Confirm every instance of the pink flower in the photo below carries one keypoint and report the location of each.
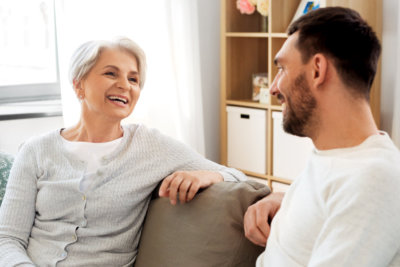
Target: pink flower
(245, 7)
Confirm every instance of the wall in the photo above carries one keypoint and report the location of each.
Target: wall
(389, 66)
(209, 34)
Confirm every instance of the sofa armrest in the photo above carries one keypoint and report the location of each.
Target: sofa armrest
(208, 231)
(6, 161)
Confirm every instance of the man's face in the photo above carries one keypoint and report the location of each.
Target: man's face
(292, 89)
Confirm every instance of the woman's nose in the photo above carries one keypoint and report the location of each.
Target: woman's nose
(123, 84)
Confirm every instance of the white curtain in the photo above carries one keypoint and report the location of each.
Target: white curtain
(396, 104)
(167, 30)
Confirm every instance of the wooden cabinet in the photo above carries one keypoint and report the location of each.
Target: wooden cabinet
(246, 50)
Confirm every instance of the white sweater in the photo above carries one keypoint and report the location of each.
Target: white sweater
(46, 220)
(343, 210)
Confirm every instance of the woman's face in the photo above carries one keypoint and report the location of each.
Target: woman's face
(111, 88)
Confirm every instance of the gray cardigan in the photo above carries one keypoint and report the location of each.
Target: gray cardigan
(45, 220)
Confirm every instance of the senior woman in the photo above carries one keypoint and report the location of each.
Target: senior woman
(78, 196)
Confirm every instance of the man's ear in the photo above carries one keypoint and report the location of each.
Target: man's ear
(319, 69)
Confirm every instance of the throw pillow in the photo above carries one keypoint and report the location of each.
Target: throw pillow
(5, 166)
(208, 231)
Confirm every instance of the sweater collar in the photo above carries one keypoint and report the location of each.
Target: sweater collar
(127, 136)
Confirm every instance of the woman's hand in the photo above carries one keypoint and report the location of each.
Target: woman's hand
(186, 184)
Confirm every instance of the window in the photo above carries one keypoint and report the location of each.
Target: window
(28, 51)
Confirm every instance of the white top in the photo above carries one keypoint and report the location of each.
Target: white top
(343, 210)
(92, 153)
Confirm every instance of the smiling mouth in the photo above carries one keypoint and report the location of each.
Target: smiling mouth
(281, 99)
(118, 99)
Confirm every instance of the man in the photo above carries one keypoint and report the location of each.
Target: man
(344, 209)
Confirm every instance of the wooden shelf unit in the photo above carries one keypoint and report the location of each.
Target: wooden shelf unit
(245, 50)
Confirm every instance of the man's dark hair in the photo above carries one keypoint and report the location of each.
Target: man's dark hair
(342, 35)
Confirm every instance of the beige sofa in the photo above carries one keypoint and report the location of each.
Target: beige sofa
(206, 232)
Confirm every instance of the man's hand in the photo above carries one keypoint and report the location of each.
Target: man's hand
(187, 183)
(258, 217)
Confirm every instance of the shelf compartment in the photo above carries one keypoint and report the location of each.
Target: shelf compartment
(254, 174)
(247, 103)
(244, 57)
(247, 34)
(237, 22)
(282, 13)
(280, 180)
(252, 104)
(276, 108)
(279, 35)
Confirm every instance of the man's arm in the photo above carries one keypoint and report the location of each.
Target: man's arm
(258, 217)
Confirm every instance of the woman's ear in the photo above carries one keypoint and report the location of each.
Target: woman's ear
(320, 69)
(79, 91)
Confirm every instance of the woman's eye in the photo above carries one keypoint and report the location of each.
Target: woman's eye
(110, 73)
(133, 80)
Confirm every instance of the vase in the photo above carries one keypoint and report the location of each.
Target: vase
(263, 24)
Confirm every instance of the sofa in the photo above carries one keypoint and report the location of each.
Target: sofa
(206, 232)
(6, 161)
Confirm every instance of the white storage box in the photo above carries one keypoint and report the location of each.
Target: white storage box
(290, 153)
(247, 139)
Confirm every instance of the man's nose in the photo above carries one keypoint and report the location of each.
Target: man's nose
(273, 90)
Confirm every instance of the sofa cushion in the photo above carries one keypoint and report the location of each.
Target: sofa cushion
(208, 231)
(5, 166)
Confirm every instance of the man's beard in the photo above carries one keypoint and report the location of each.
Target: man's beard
(300, 107)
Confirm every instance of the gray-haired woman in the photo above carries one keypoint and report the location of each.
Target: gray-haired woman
(78, 196)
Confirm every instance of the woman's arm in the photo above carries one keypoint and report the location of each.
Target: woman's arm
(17, 211)
(187, 183)
(191, 171)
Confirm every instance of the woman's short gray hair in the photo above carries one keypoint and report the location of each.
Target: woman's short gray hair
(86, 56)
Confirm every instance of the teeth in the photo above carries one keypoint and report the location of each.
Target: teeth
(116, 98)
